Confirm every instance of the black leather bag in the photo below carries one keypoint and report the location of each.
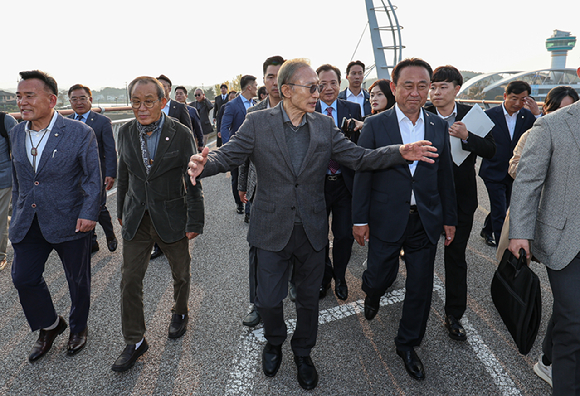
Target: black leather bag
(515, 290)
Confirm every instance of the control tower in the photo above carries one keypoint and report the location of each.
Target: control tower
(559, 45)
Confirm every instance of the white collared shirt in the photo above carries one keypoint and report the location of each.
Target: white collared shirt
(360, 99)
(510, 120)
(451, 116)
(166, 108)
(411, 133)
(36, 137)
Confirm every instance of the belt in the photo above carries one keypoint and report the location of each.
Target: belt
(336, 177)
(413, 209)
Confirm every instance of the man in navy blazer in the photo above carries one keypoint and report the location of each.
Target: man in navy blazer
(355, 71)
(337, 185)
(234, 116)
(81, 100)
(56, 197)
(511, 120)
(405, 206)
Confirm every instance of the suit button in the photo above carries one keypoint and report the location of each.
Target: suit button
(33, 205)
(142, 203)
(36, 183)
(293, 207)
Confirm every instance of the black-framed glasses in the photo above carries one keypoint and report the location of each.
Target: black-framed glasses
(313, 88)
(196, 95)
(148, 103)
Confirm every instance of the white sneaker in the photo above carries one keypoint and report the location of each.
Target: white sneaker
(543, 371)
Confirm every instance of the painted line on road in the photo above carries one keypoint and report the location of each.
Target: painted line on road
(502, 380)
(247, 359)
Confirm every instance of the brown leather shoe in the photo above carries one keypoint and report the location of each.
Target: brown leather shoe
(45, 340)
(77, 341)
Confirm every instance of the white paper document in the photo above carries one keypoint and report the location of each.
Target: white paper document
(478, 123)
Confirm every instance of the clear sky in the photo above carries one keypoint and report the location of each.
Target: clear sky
(108, 43)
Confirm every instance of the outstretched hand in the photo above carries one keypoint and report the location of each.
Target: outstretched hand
(196, 164)
(423, 150)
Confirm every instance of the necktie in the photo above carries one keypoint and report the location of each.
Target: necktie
(333, 166)
(79, 117)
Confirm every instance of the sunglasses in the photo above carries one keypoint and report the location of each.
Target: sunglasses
(313, 88)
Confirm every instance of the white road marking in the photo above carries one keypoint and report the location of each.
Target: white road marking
(247, 359)
(502, 380)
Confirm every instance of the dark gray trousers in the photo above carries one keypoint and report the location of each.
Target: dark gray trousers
(274, 268)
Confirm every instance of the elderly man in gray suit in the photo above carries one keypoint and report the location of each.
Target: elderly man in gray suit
(247, 177)
(291, 145)
(56, 196)
(544, 209)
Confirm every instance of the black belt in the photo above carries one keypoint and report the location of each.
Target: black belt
(336, 177)
(413, 209)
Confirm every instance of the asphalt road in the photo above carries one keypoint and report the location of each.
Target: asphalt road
(219, 356)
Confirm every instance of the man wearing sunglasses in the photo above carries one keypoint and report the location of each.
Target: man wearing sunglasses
(156, 203)
(290, 146)
(203, 107)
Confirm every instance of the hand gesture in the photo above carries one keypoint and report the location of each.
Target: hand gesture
(422, 150)
(196, 164)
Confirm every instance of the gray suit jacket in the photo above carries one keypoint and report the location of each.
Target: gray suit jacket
(247, 179)
(544, 204)
(66, 186)
(175, 206)
(280, 191)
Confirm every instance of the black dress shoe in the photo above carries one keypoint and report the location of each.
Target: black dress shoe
(307, 375)
(178, 325)
(129, 356)
(291, 291)
(488, 238)
(341, 289)
(240, 209)
(156, 252)
(112, 243)
(253, 318)
(456, 331)
(323, 291)
(271, 359)
(45, 340)
(246, 218)
(95, 247)
(413, 364)
(371, 308)
(77, 341)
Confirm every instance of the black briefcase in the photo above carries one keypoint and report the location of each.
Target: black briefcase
(515, 290)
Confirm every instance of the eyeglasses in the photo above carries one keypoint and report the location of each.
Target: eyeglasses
(313, 88)
(81, 99)
(148, 103)
(197, 95)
